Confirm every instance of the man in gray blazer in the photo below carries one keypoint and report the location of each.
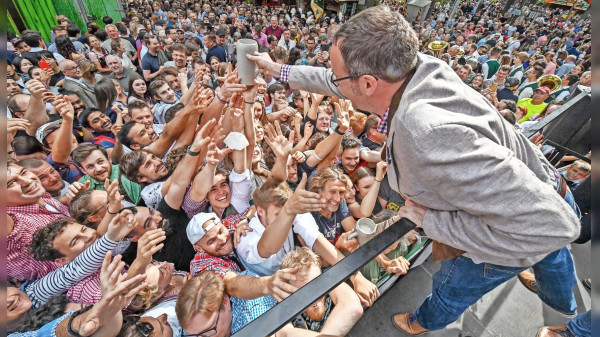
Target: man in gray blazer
(476, 186)
(74, 83)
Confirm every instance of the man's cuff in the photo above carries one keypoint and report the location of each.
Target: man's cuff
(284, 73)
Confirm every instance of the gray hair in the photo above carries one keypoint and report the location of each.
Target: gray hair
(378, 42)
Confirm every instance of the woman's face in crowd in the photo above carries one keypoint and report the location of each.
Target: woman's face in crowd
(25, 64)
(477, 81)
(256, 155)
(323, 122)
(351, 196)
(259, 132)
(214, 64)
(139, 87)
(118, 87)
(160, 325)
(219, 195)
(94, 42)
(364, 185)
(36, 74)
(258, 110)
(17, 305)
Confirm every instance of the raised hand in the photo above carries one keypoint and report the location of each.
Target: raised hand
(278, 283)
(380, 171)
(113, 195)
(64, 107)
(148, 244)
(303, 201)
(117, 291)
(36, 88)
(345, 244)
(413, 211)
(263, 62)
(237, 120)
(13, 125)
(241, 230)
(48, 97)
(215, 155)
(344, 118)
(274, 137)
(120, 225)
(75, 189)
(308, 130)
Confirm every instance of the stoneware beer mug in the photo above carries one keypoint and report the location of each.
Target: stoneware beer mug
(247, 70)
(364, 230)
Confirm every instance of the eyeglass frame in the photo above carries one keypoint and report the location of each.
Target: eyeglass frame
(76, 67)
(147, 329)
(337, 80)
(98, 210)
(202, 333)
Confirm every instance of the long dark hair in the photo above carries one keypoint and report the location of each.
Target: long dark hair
(147, 97)
(106, 93)
(51, 310)
(64, 46)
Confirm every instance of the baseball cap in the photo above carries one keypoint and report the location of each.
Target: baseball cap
(188, 35)
(46, 129)
(544, 89)
(220, 32)
(194, 229)
(511, 82)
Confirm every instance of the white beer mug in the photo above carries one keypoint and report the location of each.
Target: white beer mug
(365, 230)
(247, 70)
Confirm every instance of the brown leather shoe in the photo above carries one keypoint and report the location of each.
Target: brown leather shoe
(554, 331)
(528, 279)
(408, 323)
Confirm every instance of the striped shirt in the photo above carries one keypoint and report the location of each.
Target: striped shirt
(62, 279)
(28, 219)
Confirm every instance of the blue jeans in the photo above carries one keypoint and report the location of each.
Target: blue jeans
(460, 283)
(581, 325)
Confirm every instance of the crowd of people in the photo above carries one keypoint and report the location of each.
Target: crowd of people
(150, 193)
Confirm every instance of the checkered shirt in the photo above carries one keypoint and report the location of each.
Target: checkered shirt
(284, 73)
(245, 311)
(219, 264)
(28, 219)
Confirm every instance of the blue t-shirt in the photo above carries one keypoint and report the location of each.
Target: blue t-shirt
(150, 62)
(217, 51)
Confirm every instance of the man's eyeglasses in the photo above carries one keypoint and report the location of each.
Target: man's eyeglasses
(206, 333)
(144, 328)
(69, 69)
(335, 80)
(98, 210)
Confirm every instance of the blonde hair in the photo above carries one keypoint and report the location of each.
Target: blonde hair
(202, 293)
(318, 182)
(272, 192)
(303, 258)
(582, 165)
(144, 299)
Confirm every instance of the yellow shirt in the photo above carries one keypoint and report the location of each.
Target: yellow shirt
(532, 109)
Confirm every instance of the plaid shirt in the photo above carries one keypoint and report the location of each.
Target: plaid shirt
(284, 73)
(383, 125)
(28, 219)
(245, 311)
(88, 290)
(219, 264)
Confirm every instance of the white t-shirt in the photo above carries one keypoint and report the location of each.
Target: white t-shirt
(303, 225)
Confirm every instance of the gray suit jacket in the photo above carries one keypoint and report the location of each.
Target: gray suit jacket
(85, 93)
(489, 191)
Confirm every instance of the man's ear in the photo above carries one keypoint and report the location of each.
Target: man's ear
(368, 84)
(61, 260)
(135, 238)
(134, 146)
(93, 219)
(143, 180)
(199, 249)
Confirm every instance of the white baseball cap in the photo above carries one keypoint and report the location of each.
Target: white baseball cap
(194, 229)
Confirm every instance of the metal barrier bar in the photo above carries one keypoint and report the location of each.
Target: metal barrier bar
(286, 310)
